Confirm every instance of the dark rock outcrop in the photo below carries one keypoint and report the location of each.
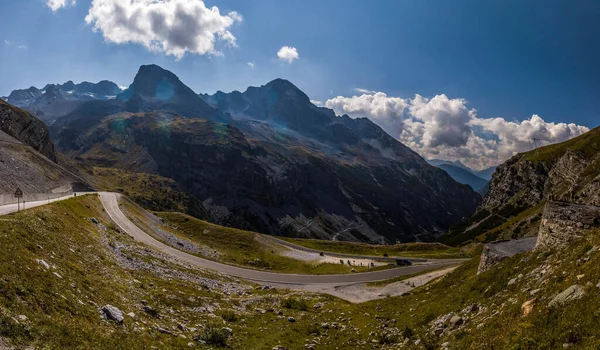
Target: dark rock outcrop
(26, 128)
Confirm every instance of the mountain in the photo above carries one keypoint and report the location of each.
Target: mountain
(157, 89)
(487, 173)
(456, 163)
(519, 188)
(27, 155)
(464, 177)
(268, 160)
(56, 100)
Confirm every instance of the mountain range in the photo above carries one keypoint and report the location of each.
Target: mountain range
(266, 159)
(477, 179)
(55, 100)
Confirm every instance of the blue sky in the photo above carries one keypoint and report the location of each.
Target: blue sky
(506, 59)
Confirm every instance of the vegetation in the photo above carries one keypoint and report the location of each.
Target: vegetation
(484, 227)
(294, 303)
(413, 250)
(91, 265)
(150, 191)
(229, 245)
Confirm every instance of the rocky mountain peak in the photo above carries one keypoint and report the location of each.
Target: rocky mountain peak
(155, 88)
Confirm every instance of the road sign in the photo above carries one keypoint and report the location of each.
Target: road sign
(18, 193)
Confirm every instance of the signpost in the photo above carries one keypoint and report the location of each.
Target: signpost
(18, 196)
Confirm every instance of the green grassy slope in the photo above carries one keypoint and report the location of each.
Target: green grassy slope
(414, 250)
(229, 245)
(90, 265)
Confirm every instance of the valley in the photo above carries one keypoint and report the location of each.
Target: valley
(196, 220)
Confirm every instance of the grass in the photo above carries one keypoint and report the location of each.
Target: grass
(148, 190)
(397, 279)
(232, 246)
(497, 227)
(62, 312)
(413, 250)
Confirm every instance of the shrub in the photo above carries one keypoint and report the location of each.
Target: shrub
(294, 303)
(229, 316)
(407, 332)
(215, 336)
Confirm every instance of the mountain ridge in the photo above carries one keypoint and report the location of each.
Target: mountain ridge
(271, 160)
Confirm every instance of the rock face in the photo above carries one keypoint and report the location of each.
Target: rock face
(564, 172)
(493, 253)
(26, 128)
(269, 160)
(563, 223)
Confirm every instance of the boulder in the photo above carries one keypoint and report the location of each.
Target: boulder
(574, 292)
(456, 321)
(112, 313)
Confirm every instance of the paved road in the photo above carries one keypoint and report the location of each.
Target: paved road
(513, 247)
(12, 208)
(110, 201)
(391, 259)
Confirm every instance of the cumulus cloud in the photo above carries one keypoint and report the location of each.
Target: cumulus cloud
(56, 5)
(175, 27)
(445, 120)
(445, 128)
(288, 54)
(251, 65)
(383, 110)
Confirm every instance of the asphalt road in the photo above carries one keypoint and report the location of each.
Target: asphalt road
(390, 259)
(111, 204)
(12, 208)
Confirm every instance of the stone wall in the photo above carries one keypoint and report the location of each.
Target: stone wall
(563, 223)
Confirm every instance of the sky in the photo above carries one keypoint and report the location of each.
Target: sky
(464, 80)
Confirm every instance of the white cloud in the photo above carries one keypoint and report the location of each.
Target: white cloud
(445, 128)
(288, 53)
(22, 47)
(364, 91)
(175, 27)
(445, 120)
(317, 103)
(56, 5)
(383, 110)
(251, 65)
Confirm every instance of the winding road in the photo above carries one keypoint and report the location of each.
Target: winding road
(110, 201)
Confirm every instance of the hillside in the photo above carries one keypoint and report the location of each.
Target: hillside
(537, 300)
(270, 161)
(568, 171)
(27, 155)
